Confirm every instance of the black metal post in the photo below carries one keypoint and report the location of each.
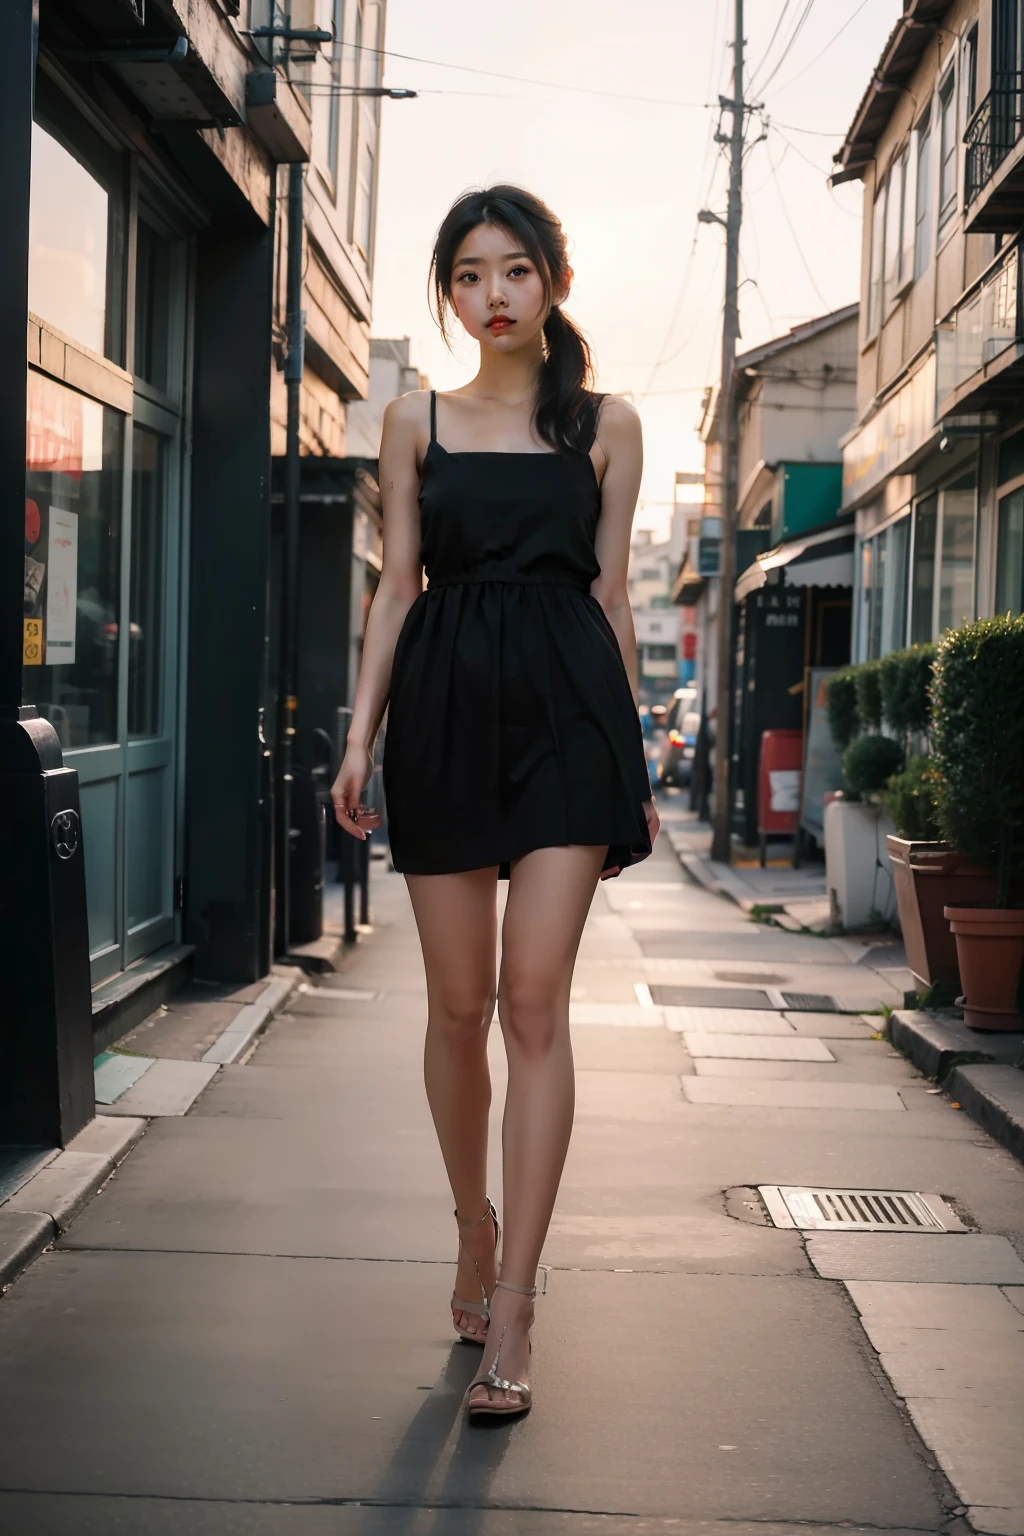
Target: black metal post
(287, 693)
(46, 1087)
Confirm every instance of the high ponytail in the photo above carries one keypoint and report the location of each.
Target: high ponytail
(564, 410)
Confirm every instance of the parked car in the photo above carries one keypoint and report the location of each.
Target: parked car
(682, 722)
(650, 725)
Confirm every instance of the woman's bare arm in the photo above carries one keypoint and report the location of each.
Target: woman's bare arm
(400, 584)
(620, 437)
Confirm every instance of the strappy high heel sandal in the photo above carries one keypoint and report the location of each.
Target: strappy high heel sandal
(522, 1398)
(479, 1308)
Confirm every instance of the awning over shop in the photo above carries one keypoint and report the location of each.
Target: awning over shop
(823, 559)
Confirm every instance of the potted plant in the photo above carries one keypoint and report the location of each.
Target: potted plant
(978, 752)
(928, 875)
(857, 873)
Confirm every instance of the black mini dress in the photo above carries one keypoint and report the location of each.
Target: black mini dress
(511, 724)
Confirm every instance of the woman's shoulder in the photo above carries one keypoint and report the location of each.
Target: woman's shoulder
(411, 409)
(616, 419)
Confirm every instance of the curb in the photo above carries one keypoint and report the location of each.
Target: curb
(977, 1069)
(250, 1022)
(47, 1204)
(994, 1097)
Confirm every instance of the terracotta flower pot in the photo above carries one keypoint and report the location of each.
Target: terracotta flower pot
(928, 878)
(990, 947)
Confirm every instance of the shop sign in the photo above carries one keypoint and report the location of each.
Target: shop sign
(897, 430)
(32, 643)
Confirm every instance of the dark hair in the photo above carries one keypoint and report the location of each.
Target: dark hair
(563, 414)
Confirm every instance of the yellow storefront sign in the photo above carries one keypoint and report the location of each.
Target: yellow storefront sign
(32, 645)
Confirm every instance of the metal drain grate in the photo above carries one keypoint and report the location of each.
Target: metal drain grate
(858, 1210)
(708, 997)
(809, 1002)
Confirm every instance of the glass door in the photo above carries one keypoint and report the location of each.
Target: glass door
(151, 677)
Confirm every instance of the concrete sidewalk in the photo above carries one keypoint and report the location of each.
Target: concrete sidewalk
(247, 1330)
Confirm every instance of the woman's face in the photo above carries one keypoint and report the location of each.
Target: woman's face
(497, 290)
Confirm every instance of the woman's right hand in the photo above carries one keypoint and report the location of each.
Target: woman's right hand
(353, 776)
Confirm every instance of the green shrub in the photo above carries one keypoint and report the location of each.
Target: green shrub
(869, 763)
(909, 797)
(841, 706)
(978, 744)
(867, 680)
(904, 679)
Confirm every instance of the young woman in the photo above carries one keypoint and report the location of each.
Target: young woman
(513, 747)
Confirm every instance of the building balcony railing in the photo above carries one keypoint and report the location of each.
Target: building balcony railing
(985, 325)
(993, 133)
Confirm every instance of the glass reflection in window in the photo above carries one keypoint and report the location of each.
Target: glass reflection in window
(956, 563)
(70, 260)
(1010, 556)
(72, 561)
(923, 591)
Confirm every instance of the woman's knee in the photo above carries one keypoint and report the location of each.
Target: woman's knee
(531, 1009)
(463, 1019)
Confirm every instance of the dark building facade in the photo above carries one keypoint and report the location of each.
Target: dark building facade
(140, 142)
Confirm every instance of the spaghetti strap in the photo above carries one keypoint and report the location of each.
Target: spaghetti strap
(433, 415)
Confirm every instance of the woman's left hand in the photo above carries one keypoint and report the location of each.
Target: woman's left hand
(653, 819)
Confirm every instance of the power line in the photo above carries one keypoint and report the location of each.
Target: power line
(798, 28)
(800, 74)
(789, 222)
(497, 74)
(771, 42)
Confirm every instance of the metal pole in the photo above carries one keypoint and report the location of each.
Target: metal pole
(288, 689)
(721, 841)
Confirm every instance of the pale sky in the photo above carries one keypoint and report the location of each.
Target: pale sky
(627, 176)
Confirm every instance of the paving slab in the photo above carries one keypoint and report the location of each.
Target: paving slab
(953, 1258)
(727, 1021)
(1015, 1296)
(778, 948)
(168, 1088)
(834, 1026)
(298, 1360)
(756, 1047)
(978, 1366)
(997, 1522)
(979, 1450)
(781, 1095)
(972, 1308)
(114, 1074)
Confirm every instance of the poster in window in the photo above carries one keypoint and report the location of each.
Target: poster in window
(61, 587)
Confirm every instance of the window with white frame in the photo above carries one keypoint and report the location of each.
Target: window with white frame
(883, 591)
(875, 272)
(923, 221)
(948, 148)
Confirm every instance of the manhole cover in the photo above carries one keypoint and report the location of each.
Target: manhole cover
(810, 1002)
(709, 997)
(858, 1210)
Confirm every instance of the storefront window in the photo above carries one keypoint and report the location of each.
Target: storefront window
(72, 562)
(925, 527)
(884, 590)
(75, 248)
(956, 561)
(1010, 554)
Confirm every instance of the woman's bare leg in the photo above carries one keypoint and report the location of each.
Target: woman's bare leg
(550, 893)
(456, 916)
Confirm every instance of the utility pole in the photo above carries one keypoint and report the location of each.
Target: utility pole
(721, 841)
